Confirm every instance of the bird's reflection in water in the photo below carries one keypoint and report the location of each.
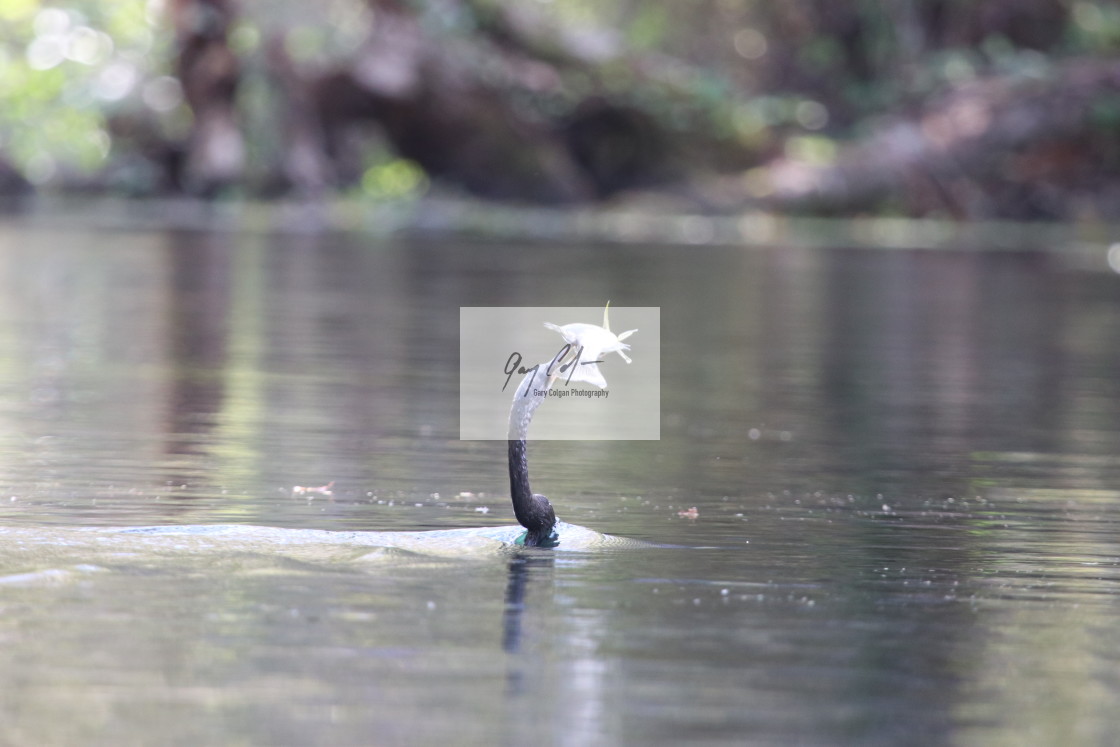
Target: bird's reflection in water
(555, 677)
(523, 566)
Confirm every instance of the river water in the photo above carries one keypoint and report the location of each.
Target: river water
(903, 468)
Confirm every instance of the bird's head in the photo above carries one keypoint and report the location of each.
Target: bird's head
(543, 521)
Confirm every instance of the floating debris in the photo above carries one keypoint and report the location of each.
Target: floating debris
(690, 513)
(321, 490)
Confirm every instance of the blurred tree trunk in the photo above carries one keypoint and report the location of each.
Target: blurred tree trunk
(209, 72)
(304, 165)
(13, 185)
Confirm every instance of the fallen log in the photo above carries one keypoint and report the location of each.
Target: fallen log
(1044, 146)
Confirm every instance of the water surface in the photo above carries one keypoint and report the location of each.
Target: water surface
(903, 468)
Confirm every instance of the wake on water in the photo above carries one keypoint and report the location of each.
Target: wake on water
(53, 555)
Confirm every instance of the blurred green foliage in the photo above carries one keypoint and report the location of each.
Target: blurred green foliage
(64, 68)
(393, 178)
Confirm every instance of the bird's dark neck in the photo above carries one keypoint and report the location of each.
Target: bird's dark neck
(519, 488)
(533, 511)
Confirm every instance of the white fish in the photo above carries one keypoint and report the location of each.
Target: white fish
(596, 341)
